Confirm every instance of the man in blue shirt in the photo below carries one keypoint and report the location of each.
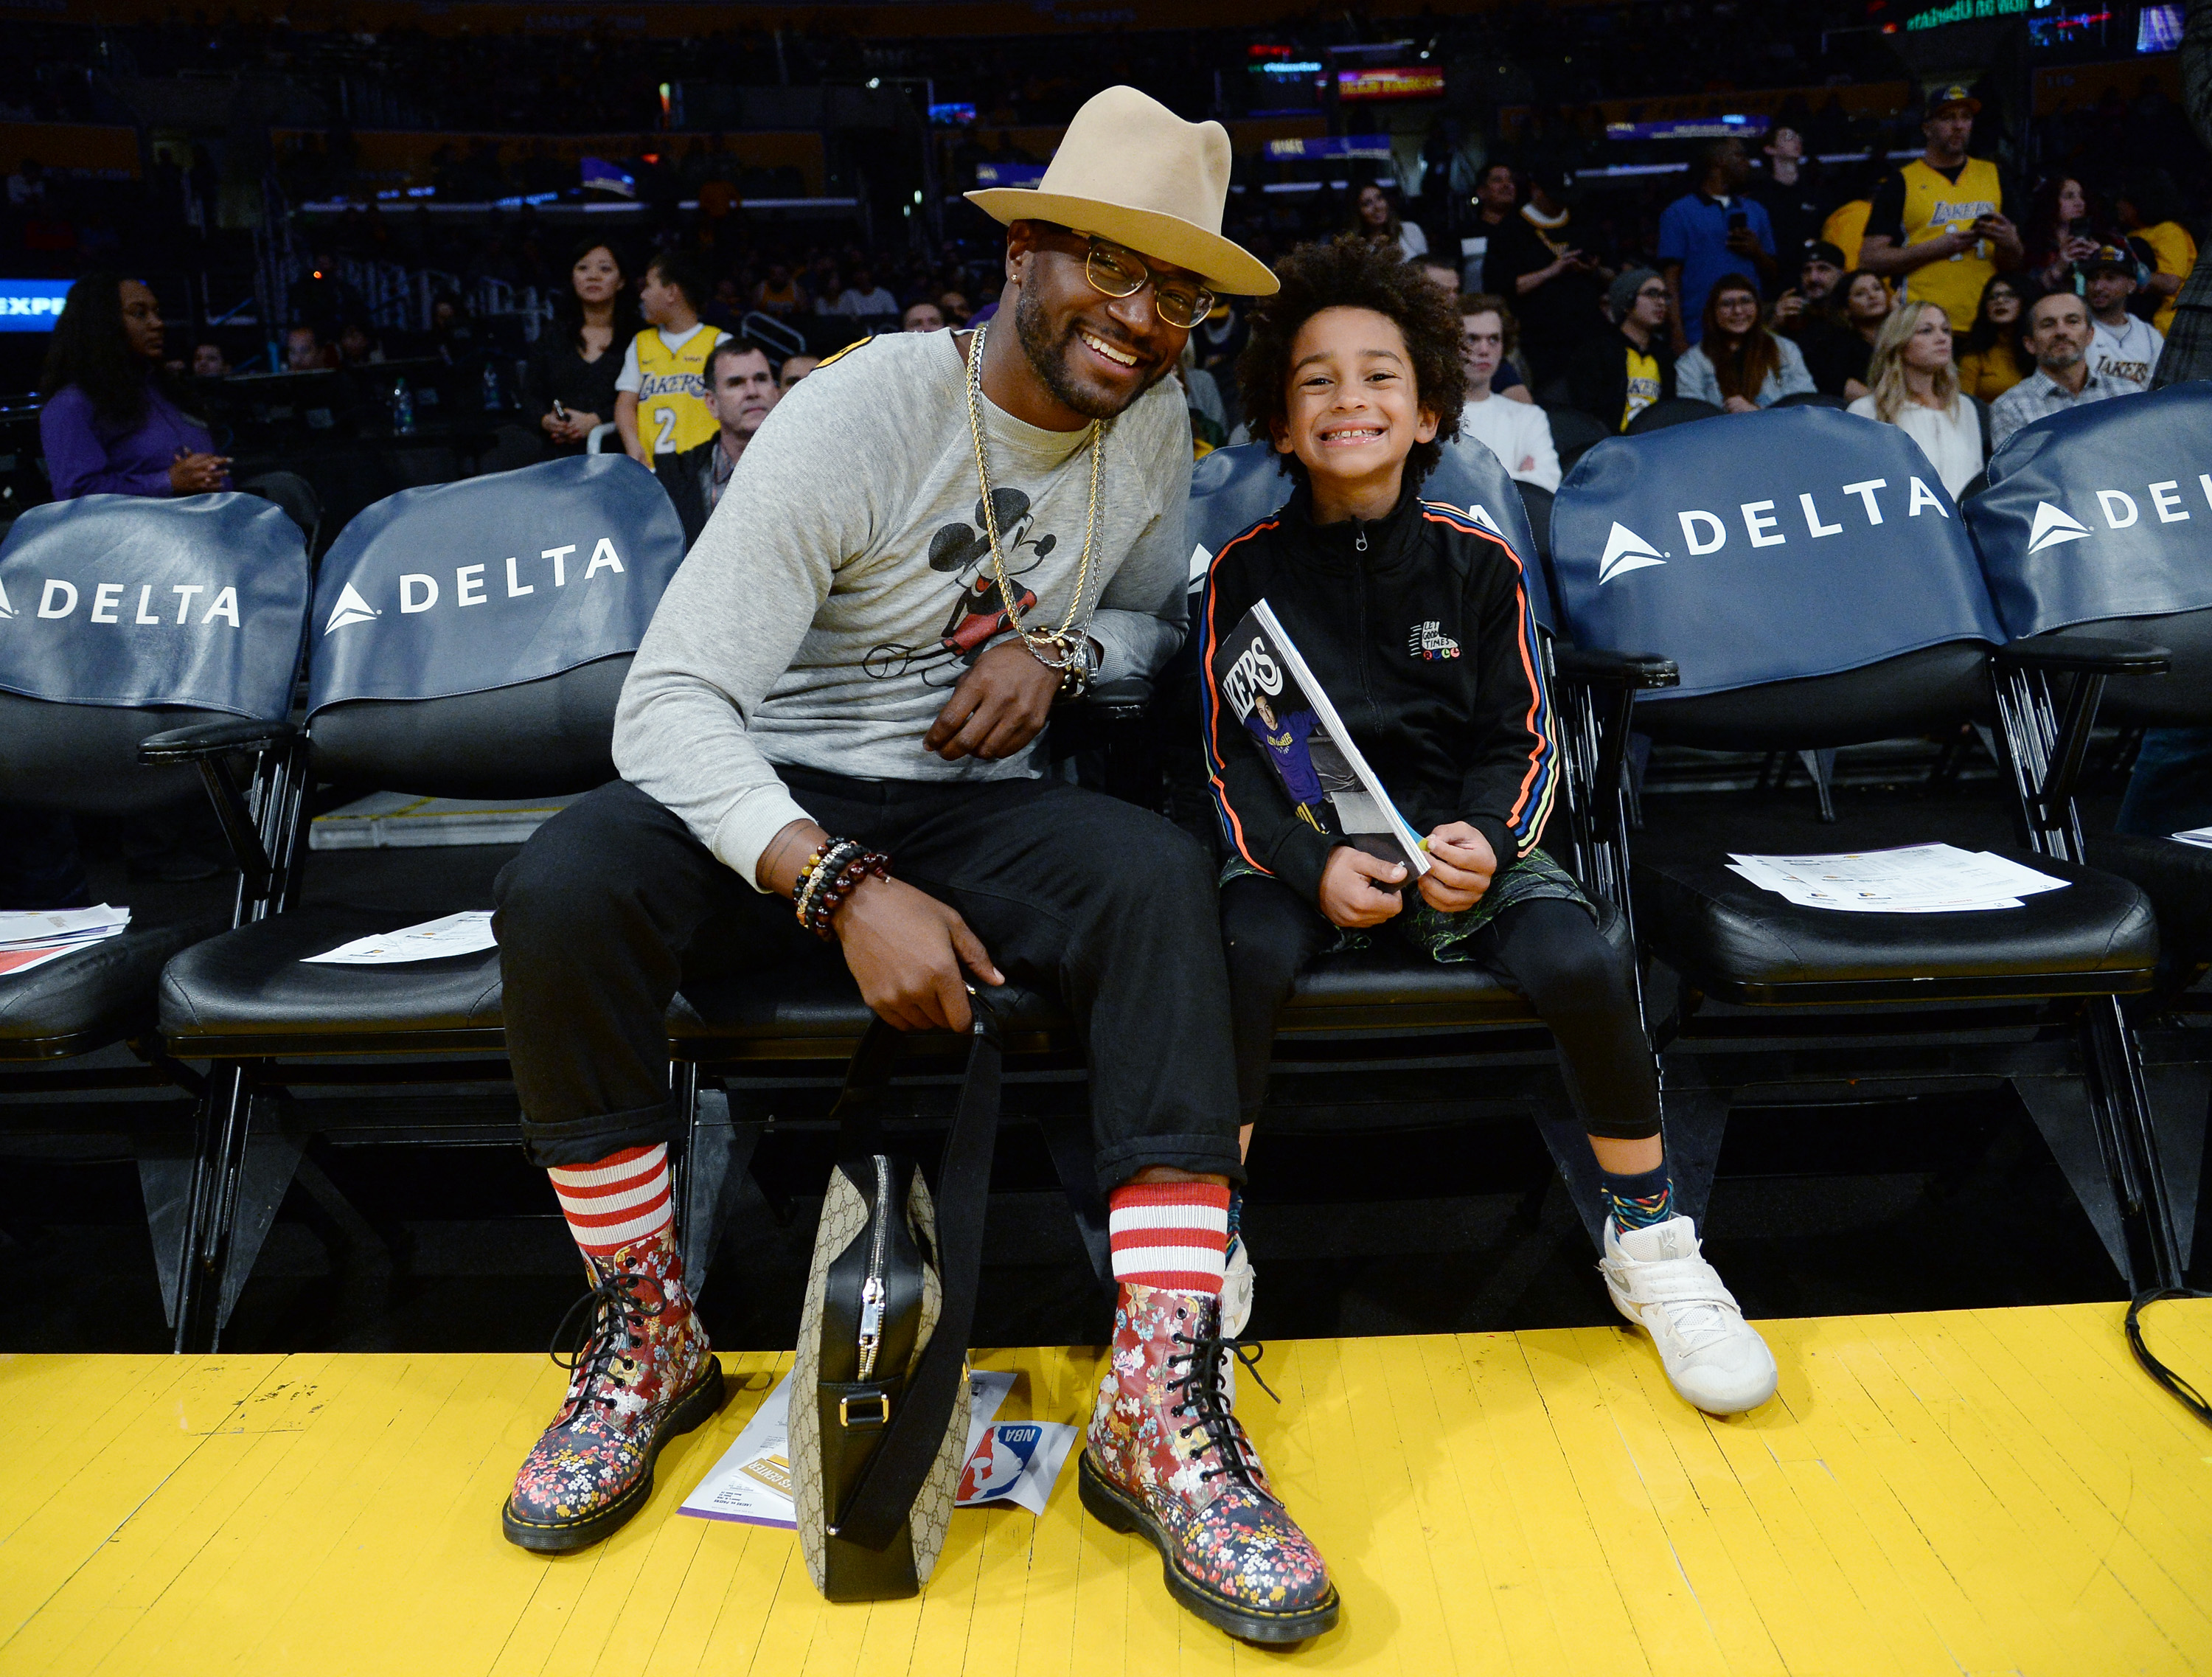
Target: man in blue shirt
(1709, 231)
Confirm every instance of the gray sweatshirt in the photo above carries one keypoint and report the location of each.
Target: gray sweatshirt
(842, 583)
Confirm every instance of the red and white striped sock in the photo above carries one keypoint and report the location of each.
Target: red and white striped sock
(1170, 1235)
(622, 1199)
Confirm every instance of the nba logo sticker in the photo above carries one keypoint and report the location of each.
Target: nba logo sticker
(996, 1463)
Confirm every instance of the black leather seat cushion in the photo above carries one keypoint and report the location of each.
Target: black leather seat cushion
(1728, 937)
(2176, 877)
(92, 997)
(252, 991)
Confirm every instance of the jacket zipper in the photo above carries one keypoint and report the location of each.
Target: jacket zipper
(872, 1290)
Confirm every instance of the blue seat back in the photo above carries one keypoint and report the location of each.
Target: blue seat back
(2101, 512)
(1777, 546)
(2102, 515)
(122, 616)
(472, 639)
(1233, 488)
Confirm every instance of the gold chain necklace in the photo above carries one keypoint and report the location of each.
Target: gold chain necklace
(1056, 649)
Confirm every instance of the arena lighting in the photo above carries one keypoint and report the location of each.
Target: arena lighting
(1401, 81)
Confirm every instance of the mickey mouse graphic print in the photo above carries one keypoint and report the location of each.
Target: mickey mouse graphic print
(850, 549)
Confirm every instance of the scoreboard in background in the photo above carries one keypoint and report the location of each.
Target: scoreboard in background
(31, 305)
(1408, 81)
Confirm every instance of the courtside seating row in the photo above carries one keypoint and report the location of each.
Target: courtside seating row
(471, 640)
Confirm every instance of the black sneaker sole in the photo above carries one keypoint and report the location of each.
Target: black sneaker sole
(697, 1405)
(1115, 1512)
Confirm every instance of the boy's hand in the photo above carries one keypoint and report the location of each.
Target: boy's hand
(1359, 890)
(1461, 866)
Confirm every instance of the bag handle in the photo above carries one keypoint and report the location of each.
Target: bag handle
(877, 1509)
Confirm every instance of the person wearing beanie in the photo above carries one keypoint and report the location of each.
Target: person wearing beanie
(1615, 377)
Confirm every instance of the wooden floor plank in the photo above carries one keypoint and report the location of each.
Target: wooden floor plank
(1986, 1490)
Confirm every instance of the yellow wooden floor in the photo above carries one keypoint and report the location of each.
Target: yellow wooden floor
(1973, 1492)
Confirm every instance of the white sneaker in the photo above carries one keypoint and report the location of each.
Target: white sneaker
(1661, 1282)
(1235, 1307)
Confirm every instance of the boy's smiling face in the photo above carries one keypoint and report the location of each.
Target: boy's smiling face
(1354, 412)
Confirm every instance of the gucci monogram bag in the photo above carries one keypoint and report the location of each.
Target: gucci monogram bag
(879, 1395)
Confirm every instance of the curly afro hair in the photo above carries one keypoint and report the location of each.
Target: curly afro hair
(1350, 273)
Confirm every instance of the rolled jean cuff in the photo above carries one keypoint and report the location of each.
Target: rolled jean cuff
(1201, 1154)
(586, 1140)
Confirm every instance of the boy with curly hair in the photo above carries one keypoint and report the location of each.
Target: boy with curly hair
(1416, 621)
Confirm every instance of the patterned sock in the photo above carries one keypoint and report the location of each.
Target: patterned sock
(1640, 1201)
(620, 1200)
(1170, 1235)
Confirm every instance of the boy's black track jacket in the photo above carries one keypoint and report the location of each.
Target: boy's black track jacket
(1418, 627)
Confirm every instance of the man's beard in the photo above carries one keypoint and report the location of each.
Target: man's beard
(2057, 361)
(1050, 362)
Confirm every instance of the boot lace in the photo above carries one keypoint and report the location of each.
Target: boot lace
(1203, 1397)
(586, 1345)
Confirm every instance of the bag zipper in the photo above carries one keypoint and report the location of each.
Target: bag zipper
(872, 1290)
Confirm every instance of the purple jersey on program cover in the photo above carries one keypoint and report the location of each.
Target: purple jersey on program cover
(1286, 745)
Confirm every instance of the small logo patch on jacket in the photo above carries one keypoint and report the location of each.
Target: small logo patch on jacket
(1429, 641)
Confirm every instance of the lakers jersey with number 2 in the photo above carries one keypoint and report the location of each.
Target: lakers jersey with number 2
(671, 406)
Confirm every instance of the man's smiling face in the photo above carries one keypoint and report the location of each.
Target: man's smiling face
(1094, 354)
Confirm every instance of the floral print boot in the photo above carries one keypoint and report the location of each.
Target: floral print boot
(1165, 1459)
(641, 1374)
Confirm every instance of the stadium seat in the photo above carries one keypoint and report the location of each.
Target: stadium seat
(469, 640)
(1574, 433)
(1812, 398)
(126, 623)
(1671, 410)
(2123, 475)
(1729, 551)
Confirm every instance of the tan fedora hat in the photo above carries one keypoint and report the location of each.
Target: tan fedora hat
(1131, 170)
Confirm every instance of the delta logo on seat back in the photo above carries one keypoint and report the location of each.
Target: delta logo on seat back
(128, 600)
(2103, 511)
(492, 582)
(1765, 547)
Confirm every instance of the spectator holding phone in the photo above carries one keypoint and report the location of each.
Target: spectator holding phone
(569, 384)
(1709, 232)
(1737, 363)
(1536, 264)
(1915, 388)
(111, 424)
(1989, 361)
(2064, 222)
(1938, 225)
(2148, 211)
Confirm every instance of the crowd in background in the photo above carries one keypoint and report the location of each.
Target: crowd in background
(1759, 274)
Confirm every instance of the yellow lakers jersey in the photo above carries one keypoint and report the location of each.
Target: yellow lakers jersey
(671, 407)
(1934, 207)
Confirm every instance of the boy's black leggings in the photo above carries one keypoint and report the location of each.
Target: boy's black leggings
(1548, 949)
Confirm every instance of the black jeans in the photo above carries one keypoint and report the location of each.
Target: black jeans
(1546, 948)
(613, 903)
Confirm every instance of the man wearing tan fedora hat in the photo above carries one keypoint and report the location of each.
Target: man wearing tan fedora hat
(830, 728)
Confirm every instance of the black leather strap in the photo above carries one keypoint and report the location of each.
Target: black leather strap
(877, 1511)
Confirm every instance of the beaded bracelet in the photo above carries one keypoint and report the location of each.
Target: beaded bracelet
(823, 904)
(820, 868)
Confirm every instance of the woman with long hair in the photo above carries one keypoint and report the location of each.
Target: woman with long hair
(1915, 388)
(2064, 221)
(570, 383)
(1374, 218)
(1864, 302)
(1990, 362)
(1740, 365)
(112, 424)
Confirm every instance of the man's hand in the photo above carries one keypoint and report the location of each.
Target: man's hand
(1461, 866)
(1743, 241)
(1788, 307)
(2000, 232)
(908, 952)
(997, 708)
(1358, 890)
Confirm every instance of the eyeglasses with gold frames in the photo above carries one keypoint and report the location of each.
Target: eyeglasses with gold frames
(1120, 273)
